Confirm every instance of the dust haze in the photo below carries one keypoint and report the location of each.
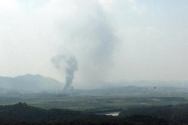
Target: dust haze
(112, 41)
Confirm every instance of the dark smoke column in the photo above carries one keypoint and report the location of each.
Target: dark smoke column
(70, 68)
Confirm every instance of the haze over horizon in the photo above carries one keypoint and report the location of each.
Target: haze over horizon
(111, 40)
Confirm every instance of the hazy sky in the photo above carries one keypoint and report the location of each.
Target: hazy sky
(112, 40)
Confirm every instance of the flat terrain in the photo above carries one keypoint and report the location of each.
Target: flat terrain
(91, 103)
(98, 100)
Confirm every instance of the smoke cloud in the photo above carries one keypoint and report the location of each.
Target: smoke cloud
(148, 47)
(91, 37)
(67, 64)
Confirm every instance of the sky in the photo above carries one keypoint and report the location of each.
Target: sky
(112, 40)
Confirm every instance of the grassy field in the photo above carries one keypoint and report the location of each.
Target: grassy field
(90, 103)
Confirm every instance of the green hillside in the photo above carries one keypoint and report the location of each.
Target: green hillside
(21, 114)
(174, 113)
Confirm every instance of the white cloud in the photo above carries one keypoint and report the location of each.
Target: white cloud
(8, 6)
(59, 8)
(107, 4)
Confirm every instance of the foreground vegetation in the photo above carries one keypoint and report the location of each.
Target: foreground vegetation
(174, 113)
(21, 113)
(137, 106)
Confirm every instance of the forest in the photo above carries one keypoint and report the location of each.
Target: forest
(22, 114)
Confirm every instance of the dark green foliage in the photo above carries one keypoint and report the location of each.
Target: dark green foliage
(22, 114)
(22, 111)
(174, 113)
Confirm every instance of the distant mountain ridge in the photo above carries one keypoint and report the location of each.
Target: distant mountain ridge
(37, 83)
(29, 83)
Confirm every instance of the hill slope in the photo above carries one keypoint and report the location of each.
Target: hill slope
(175, 113)
(29, 83)
(21, 113)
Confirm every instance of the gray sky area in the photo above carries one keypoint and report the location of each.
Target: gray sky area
(111, 40)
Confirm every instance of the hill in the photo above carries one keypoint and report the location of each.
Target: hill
(28, 83)
(174, 113)
(21, 113)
